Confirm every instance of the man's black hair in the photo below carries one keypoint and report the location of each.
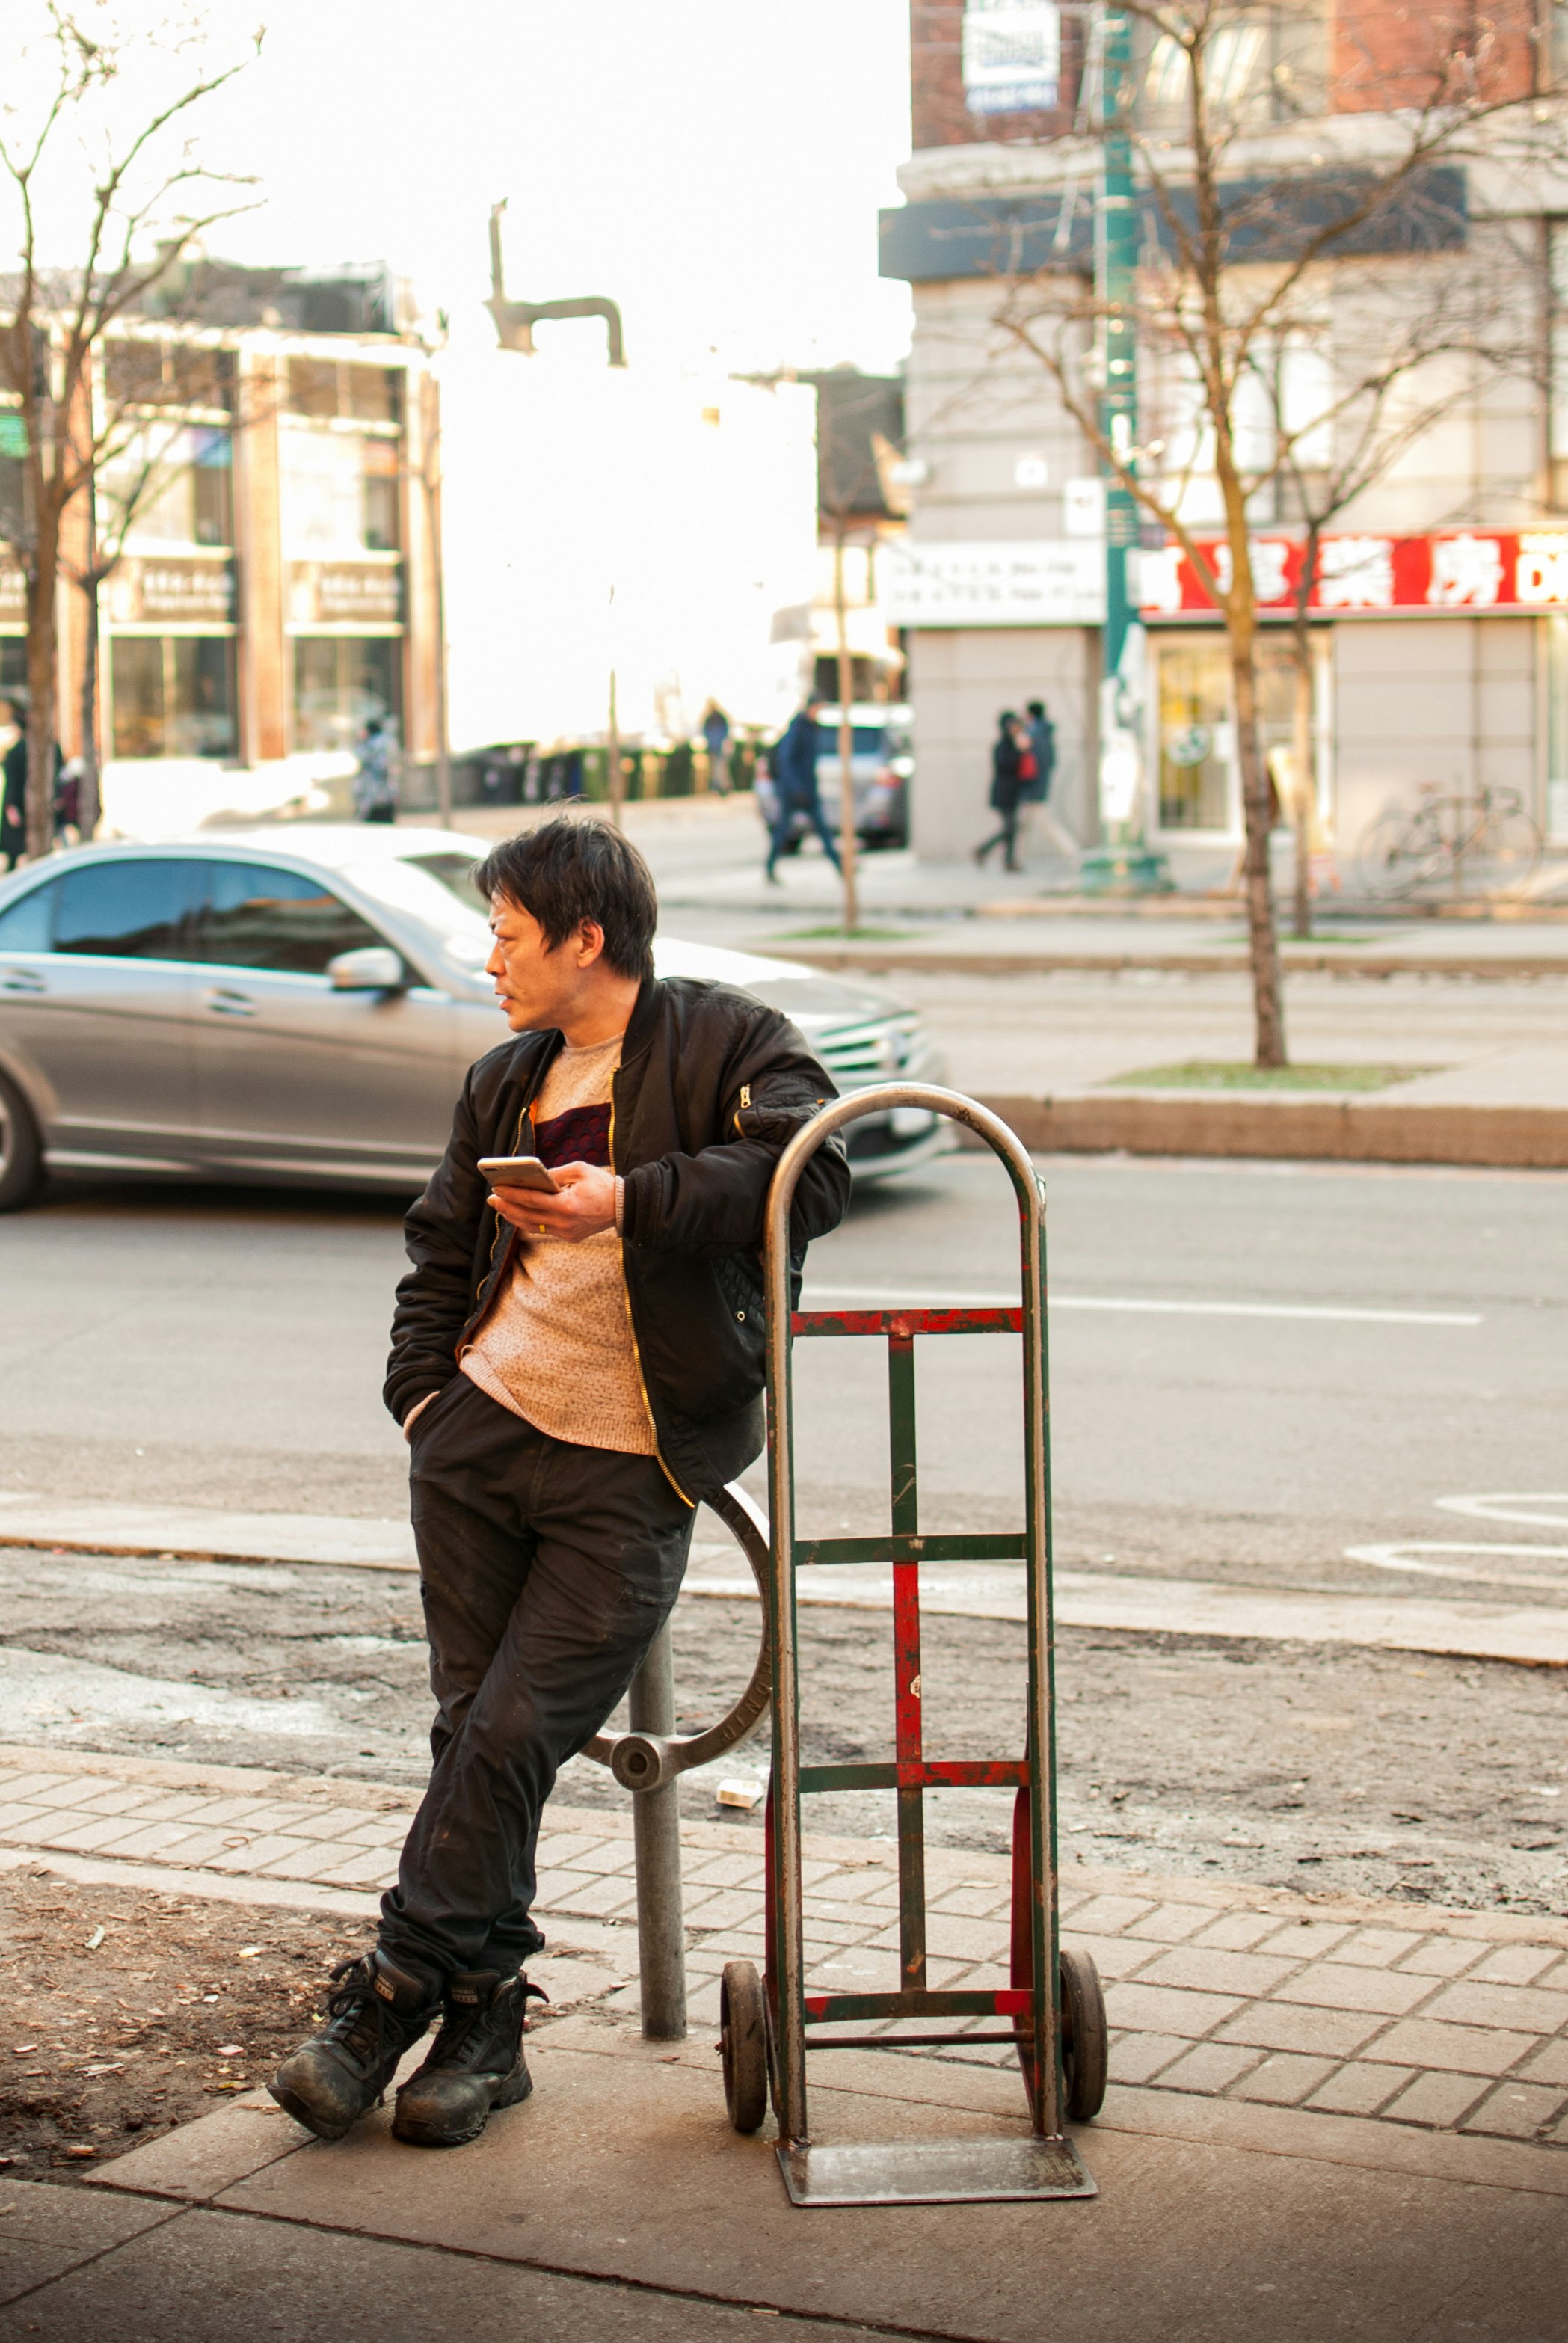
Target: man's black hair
(1036, 706)
(569, 871)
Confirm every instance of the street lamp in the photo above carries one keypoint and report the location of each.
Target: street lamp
(515, 323)
(1124, 865)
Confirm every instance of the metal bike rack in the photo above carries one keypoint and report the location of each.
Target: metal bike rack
(1053, 2002)
(649, 1761)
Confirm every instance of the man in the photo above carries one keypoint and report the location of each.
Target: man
(1008, 783)
(573, 1371)
(14, 788)
(374, 787)
(795, 785)
(1043, 740)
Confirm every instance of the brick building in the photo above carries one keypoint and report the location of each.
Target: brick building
(272, 493)
(1441, 621)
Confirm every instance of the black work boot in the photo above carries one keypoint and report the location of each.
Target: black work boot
(375, 2011)
(476, 2062)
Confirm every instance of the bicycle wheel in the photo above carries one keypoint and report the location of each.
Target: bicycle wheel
(1505, 856)
(1399, 853)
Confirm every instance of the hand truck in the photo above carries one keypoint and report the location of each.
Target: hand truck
(1054, 2003)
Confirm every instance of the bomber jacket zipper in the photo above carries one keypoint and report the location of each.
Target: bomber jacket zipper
(631, 1329)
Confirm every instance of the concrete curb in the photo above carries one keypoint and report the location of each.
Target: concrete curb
(1328, 1130)
(863, 959)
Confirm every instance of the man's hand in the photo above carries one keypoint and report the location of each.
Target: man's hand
(584, 1205)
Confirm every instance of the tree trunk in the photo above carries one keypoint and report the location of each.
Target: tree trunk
(848, 839)
(42, 652)
(87, 805)
(1267, 1004)
(1306, 777)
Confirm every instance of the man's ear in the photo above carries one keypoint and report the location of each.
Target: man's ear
(590, 942)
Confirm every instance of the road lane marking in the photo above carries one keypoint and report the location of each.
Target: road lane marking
(1521, 1505)
(1332, 1314)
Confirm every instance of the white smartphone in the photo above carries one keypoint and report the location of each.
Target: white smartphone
(518, 1172)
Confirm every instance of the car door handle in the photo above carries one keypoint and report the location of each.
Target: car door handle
(21, 980)
(224, 1003)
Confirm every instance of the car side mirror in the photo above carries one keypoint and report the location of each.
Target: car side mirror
(373, 968)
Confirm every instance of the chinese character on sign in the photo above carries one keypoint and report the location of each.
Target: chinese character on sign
(1159, 577)
(1541, 574)
(1356, 573)
(1466, 569)
(1271, 570)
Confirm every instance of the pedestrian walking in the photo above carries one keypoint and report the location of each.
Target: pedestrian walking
(716, 733)
(13, 790)
(795, 788)
(575, 1371)
(1042, 742)
(1009, 778)
(374, 786)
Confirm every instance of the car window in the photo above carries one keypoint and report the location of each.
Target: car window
(455, 874)
(257, 916)
(25, 926)
(865, 741)
(139, 909)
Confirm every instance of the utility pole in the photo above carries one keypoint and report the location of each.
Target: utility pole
(1123, 865)
(849, 840)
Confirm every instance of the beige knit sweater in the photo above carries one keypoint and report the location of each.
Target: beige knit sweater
(556, 1344)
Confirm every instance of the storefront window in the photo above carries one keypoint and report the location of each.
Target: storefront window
(1195, 738)
(1556, 649)
(340, 681)
(340, 493)
(169, 486)
(173, 695)
(1200, 786)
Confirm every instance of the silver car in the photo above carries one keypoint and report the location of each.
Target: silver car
(302, 1006)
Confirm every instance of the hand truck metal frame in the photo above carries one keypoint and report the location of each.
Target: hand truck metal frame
(1054, 2003)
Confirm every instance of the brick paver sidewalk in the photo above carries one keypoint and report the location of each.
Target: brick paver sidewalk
(1447, 2021)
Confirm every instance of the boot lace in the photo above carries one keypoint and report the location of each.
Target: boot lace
(358, 2014)
(463, 2037)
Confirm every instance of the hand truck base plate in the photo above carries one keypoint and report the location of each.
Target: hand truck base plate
(933, 2172)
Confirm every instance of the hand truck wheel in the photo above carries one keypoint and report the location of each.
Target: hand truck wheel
(743, 2044)
(1085, 2048)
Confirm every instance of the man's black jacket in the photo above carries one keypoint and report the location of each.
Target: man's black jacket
(711, 1088)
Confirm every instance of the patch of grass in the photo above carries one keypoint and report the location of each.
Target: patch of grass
(1228, 1074)
(849, 935)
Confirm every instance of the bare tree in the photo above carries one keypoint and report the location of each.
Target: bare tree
(1400, 358)
(132, 182)
(1275, 145)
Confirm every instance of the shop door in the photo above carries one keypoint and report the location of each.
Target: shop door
(1198, 778)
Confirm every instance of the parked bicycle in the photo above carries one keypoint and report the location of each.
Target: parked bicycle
(1485, 844)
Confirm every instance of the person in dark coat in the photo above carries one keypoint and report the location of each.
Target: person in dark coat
(795, 784)
(14, 793)
(716, 735)
(1008, 782)
(1043, 740)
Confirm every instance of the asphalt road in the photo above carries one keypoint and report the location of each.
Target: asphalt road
(204, 1346)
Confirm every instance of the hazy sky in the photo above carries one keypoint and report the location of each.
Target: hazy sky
(715, 165)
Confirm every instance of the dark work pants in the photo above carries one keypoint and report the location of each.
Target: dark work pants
(546, 1571)
(811, 808)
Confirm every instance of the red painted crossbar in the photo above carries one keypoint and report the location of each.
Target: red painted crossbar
(905, 1323)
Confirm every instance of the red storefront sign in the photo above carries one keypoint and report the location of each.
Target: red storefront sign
(1365, 575)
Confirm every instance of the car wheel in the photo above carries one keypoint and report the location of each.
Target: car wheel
(20, 1154)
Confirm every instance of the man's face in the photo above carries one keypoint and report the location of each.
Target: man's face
(537, 988)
